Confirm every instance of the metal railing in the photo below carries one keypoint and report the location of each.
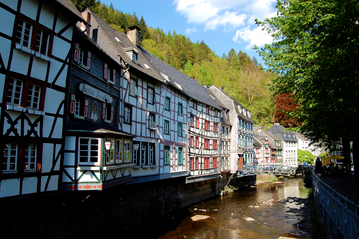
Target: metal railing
(277, 169)
(340, 215)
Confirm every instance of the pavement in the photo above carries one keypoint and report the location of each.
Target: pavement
(343, 185)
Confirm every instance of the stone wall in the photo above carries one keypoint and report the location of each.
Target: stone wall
(102, 213)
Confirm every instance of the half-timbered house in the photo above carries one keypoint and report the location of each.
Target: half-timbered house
(151, 109)
(242, 152)
(97, 153)
(35, 55)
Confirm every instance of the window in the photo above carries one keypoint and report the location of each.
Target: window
(82, 56)
(109, 74)
(107, 112)
(197, 142)
(180, 109)
(166, 127)
(24, 37)
(207, 110)
(215, 127)
(206, 163)
(89, 153)
(119, 151)
(126, 151)
(180, 129)
(152, 121)
(136, 153)
(127, 114)
(180, 155)
(79, 106)
(133, 87)
(150, 95)
(144, 159)
(197, 122)
(214, 162)
(191, 140)
(196, 163)
(42, 41)
(19, 157)
(167, 155)
(110, 151)
(215, 144)
(23, 93)
(168, 103)
(134, 57)
(192, 121)
(191, 163)
(206, 144)
(151, 156)
(207, 125)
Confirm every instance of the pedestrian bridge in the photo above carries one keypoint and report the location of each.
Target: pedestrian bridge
(276, 169)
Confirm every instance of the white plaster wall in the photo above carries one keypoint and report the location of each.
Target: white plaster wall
(53, 101)
(88, 177)
(29, 185)
(54, 70)
(20, 62)
(39, 68)
(8, 20)
(53, 183)
(48, 122)
(60, 48)
(71, 172)
(9, 187)
(29, 8)
(47, 14)
(62, 21)
(10, 3)
(5, 47)
(47, 156)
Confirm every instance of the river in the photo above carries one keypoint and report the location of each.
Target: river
(269, 210)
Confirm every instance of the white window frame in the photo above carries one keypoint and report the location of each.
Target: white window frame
(180, 155)
(127, 114)
(133, 87)
(90, 142)
(144, 159)
(24, 35)
(152, 121)
(166, 127)
(127, 151)
(166, 154)
(119, 151)
(42, 38)
(11, 157)
(14, 94)
(30, 157)
(180, 129)
(151, 155)
(35, 92)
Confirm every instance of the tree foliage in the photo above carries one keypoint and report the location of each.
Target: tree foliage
(305, 156)
(315, 55)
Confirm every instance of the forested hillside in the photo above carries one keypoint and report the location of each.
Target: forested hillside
(240, 76)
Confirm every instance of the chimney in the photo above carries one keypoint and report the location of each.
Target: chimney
(134, 35)
(87, 16)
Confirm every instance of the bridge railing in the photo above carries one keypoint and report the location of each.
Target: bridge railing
(277, 169)
(340, 215)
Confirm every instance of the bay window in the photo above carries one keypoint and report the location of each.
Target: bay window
(89, 153)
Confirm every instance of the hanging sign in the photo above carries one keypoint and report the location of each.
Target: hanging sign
(95, 93)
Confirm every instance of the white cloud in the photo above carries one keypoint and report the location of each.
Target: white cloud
(225, 13)
(256, 36)
(191, 30)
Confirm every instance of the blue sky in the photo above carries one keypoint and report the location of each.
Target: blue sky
(221, 24)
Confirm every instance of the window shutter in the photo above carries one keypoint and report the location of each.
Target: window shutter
(86, 108)
(105, 73)
(88, 60)
(72, 103)
(76, 53)
(104, 110)
(113, 76)
(111, 113)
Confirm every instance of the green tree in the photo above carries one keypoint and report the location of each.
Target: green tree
(314, 54)
(305, 156)
(145, 34)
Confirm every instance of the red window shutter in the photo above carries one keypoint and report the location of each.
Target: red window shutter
(111, 113)
(76, 53)
(104, 110)
(72, 103)
(88, 60)
(86, 108)
(113, 76)
(105, 73)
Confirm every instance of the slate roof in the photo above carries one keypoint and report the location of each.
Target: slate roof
(223, 119)
(118, 49)
(189, 86)
(236, 104)
(70, 7)
(278, 131)
(87, 126)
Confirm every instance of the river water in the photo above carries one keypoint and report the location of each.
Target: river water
(269, 210)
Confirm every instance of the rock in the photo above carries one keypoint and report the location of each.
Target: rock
(248, 219)
(199, 217)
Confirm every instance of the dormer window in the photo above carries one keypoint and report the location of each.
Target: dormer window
(134, 57)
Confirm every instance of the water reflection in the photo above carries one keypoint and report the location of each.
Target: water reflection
(258, 212)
